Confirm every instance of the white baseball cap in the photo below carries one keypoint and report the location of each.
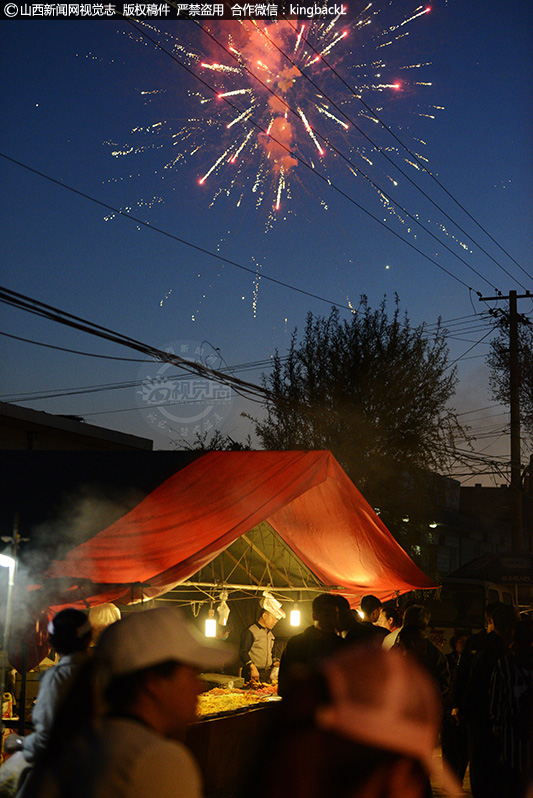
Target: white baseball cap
(146, 638)
(385, 699)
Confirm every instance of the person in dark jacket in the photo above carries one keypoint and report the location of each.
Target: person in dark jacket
(304, 652)
(474, 677)
(371, 608)
(412, 636)
(350, 626)
(454, 737)
(511, 708)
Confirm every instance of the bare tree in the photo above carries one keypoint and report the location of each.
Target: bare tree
(499, 365)
(372, 389)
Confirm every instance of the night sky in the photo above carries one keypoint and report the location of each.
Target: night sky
(96, 106)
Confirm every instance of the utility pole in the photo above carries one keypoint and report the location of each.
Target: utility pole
(514, 406)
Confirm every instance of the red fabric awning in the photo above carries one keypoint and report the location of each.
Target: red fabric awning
(193, 516)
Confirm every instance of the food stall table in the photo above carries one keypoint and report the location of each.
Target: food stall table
(226, 745)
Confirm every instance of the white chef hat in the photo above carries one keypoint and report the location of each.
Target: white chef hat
(272, 605)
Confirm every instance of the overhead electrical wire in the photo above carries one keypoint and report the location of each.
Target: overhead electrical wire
(34, 306)
(216, 255)
(421, 165)
(166, 233)
(322, 177)
(470, 349)
(478, 410)
(250, 390)
(74, 351)
(85, 389)
(338, 152)
(47, 394)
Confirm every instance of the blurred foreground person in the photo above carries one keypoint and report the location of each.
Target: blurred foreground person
(364, 726)
(122, 731)
(69, 633)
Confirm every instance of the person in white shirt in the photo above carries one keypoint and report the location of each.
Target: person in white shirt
(144, 681)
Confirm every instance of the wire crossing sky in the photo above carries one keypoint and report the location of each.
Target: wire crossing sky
(387, 155)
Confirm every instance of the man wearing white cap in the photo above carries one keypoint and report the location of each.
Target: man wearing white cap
(364, 724)
(145, 681)
(256, 645)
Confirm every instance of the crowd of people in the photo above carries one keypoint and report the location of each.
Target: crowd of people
(367, 696)
(485, 682)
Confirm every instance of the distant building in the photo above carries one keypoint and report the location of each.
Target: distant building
(447, 524)
(25, 429)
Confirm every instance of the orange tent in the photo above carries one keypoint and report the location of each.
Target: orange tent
(196, 514)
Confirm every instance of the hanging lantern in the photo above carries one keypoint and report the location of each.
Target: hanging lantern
(295, 616)
(211, 624)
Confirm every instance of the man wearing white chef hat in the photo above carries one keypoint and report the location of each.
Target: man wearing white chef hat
(257, 642)
(128, 741)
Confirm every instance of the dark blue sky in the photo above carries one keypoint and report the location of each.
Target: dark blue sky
(74, 93)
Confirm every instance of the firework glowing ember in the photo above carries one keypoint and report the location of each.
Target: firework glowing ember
(271, 102)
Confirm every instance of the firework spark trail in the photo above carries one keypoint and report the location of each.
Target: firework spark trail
(219, 161)
(327, 113)
(245, 114)
(310, 131)
(243, 144)
(329, 48)
(234, 93)
(281, 186)
(273, 84)
(278, 140)
(299, 38)
(220, 68)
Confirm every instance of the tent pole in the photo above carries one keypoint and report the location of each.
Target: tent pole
(23, 683)
(315, 589)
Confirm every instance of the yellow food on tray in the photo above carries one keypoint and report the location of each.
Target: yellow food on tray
(221, 699)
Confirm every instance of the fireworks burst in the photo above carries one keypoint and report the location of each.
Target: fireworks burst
(262, 102)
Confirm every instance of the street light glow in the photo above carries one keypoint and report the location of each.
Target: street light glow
(6, 561)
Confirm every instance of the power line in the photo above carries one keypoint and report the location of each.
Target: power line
(74, 351)
(478, 410)
(44, 310)
(180, 240)
(470, 348)
(100, 388)
(424, 168)
(335, 149)
(251, 391)
(221, 258)
(47, 394)
(322, 177)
